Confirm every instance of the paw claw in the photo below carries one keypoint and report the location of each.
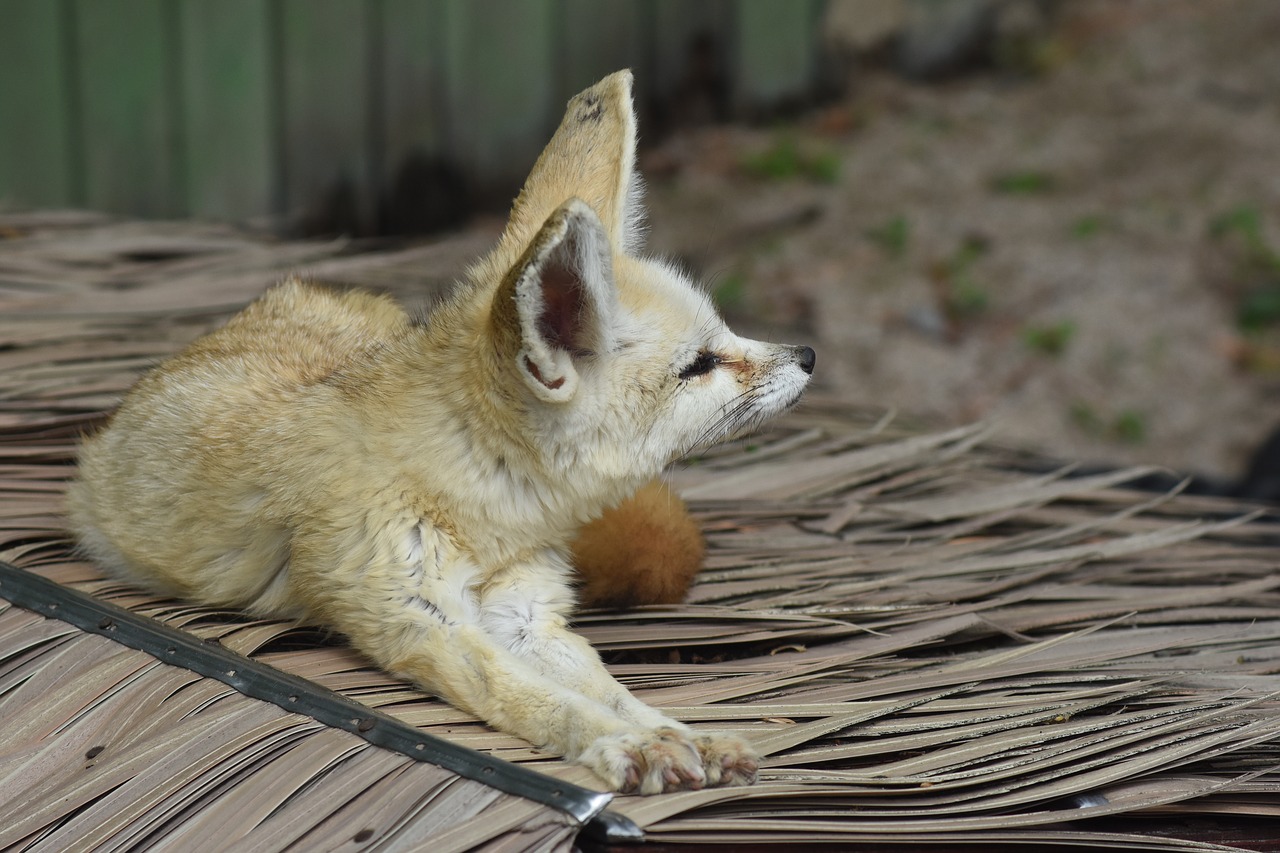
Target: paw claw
(727, 760)
(647, 762)
(668, 759)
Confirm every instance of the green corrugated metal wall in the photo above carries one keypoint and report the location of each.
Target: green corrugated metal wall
(288, 109)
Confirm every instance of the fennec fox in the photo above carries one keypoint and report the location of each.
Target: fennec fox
(417, 486)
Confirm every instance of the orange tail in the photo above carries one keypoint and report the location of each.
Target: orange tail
(646, 550)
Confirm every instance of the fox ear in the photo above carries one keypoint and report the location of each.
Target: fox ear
(591, 157)
(564, 300)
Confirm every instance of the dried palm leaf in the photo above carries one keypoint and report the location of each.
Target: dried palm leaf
(929, 637)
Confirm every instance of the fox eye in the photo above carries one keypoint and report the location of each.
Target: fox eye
(704, 363)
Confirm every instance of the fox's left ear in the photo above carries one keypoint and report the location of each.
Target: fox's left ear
(559, 301)
(591, 157)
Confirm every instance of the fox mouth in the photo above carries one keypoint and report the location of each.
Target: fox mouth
(771, 411)
(746, 414)
(795, 399)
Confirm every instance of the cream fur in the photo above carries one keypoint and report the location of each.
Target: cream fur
(418, 487)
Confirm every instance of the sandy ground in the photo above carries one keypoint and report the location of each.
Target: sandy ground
(1065, 248)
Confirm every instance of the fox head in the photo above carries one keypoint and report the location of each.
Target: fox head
(619, 363)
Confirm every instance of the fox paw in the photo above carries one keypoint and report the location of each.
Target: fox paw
(647, 762)
(727, 760)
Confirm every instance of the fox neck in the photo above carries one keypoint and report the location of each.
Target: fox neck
(511, 472)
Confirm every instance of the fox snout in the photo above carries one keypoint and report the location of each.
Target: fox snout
(805, 357)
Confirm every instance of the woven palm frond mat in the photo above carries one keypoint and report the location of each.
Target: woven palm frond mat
(929, 638)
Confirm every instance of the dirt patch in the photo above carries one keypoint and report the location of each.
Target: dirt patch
(1085, 250)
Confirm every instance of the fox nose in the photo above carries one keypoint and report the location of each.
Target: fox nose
(805, 357)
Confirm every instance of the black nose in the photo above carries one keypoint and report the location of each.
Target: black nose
(805, 357)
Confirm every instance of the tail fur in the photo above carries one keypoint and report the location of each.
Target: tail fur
(646, 550)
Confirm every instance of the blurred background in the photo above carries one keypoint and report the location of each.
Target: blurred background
(1059, 215)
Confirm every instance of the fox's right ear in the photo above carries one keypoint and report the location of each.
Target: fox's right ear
(556, 306)
(591, 157)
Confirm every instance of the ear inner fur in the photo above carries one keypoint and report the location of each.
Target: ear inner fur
(563, 298)
(564, 309)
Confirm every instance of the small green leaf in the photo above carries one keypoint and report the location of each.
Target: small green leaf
(1087, 226)
(892, 236)
(1259, 308)
(785, 159)
(730, 291)
(1024, 183)
(1130, 427)
(1049, 340)
(777, 162)
(1085, 417)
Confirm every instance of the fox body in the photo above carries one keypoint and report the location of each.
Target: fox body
(419, 486)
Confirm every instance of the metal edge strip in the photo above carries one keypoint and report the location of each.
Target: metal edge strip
(298, 695)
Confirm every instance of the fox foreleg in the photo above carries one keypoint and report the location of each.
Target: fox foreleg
(468, 667)
(416, 605)
(526, 615)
